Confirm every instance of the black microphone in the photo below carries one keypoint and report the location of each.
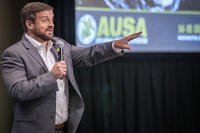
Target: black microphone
(60, 45)
(60, 51)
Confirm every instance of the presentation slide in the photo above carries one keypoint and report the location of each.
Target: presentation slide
(166, 25)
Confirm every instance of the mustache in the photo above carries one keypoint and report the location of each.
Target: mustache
(50, 28)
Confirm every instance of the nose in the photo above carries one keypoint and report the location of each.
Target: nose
(52, 24)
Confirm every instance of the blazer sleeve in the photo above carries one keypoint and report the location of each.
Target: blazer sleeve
(15, 80)
(93, 55)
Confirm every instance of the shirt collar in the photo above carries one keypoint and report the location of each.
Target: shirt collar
(37, 44)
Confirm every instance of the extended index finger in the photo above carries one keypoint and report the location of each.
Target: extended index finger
(132, 36)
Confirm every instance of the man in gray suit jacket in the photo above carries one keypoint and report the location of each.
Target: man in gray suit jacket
(46, 98)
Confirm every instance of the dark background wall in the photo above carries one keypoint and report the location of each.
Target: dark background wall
(138, 93)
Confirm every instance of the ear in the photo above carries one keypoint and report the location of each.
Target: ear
(29, 24)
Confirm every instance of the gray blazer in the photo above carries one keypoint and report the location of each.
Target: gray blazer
(33, 88)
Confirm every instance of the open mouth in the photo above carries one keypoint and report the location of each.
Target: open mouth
(49, 30)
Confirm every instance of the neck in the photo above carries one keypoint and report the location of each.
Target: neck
(43, 42)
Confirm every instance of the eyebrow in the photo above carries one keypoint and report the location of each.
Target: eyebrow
(43, 16)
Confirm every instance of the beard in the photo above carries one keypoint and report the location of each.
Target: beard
(43, 36)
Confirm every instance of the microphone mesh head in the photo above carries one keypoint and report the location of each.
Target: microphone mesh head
(60, 43)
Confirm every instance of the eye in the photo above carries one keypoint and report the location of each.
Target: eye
(44, 20)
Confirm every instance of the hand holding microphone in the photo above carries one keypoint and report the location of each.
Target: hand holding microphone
(59, 70)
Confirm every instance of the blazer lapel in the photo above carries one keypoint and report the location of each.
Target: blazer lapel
(67, 59)
(55, 53)
(34, 53)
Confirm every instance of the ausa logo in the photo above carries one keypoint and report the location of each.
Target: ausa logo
(87, 28)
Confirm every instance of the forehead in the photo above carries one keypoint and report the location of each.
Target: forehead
(47, 13)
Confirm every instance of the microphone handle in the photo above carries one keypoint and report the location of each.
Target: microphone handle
(60, 57)
(61, 54)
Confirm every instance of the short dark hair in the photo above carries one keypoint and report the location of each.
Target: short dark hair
(28, 12)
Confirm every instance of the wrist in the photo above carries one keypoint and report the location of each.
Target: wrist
(115, 48)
